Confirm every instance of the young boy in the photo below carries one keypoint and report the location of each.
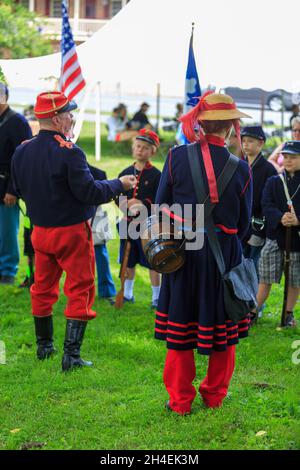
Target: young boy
(282, 211)
(143, 148)
(253, 140)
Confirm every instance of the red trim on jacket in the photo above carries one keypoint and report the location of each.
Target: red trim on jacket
(147, 166)
(161, 314)
(181, 333)
(172, 215)
(230, 231)
(248, 181)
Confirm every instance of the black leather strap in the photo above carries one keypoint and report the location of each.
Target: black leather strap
(222, 182)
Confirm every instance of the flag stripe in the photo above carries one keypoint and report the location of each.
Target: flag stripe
(69, 73)
(69, 62)
(76, 90)
(71, 79)
(73, 85)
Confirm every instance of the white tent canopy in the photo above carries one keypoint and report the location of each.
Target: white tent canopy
(147, 43)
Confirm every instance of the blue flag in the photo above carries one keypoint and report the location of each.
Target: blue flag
(192, 88)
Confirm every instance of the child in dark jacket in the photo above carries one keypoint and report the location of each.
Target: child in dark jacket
(281, 207)
(253, 140)
(148, 177)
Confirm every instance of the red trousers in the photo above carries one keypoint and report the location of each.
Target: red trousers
(68, 249)
(180, 371)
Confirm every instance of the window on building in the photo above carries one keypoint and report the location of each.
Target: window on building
(90, 8)
(25, 3)
(116, 6)
(56, 8)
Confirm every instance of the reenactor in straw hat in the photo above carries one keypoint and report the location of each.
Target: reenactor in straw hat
(191, 313)
(52, 176)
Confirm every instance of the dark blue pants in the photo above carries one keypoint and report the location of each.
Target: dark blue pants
(106, 286)
(9, 248)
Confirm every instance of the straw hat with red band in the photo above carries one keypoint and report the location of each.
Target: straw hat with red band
(148, 136)
(51, 103)
(211, 107)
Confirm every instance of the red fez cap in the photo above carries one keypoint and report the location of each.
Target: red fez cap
(50, 103)
(148, 136)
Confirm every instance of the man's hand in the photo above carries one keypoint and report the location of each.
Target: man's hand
(128, 181)
(9, 200)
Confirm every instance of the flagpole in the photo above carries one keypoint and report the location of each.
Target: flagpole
(157, 106)
(98, 123)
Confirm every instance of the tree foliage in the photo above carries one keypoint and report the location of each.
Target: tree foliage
(20, 34)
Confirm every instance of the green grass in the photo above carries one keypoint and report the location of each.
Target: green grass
(119, 404)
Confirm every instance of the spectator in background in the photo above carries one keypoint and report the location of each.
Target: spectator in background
(32, 120)
(295, 113)
(140, 119)
(117, 125)
(179, 111)
(14, 129)
(276, 158)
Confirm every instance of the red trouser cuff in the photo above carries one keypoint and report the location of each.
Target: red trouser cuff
(81, 316)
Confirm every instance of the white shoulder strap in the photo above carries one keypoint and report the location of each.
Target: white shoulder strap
(287, 194)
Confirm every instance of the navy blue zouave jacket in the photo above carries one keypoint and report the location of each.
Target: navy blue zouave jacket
(233, 212)
(54, 179)
(147, 184)
(274, 205)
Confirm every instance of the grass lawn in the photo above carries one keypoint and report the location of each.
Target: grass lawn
(119, 404)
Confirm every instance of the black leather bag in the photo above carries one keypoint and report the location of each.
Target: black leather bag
(240, 290)
(240, 283)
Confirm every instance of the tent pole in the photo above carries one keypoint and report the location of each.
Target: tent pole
(80, 119)
(282, 113)
(98, 123)
(157, 106)
(263, 101)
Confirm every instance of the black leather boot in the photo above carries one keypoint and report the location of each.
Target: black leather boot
(73, 340)
(44, 337)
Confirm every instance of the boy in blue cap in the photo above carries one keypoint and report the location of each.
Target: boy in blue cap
(281, 207)
(253, 140)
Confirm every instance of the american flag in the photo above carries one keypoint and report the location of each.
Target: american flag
(71, 79)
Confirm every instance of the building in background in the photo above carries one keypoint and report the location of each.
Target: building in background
(86, 16)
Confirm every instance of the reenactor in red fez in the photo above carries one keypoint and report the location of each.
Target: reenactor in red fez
(54, 179)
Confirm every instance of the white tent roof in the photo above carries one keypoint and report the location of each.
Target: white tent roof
(241, 44)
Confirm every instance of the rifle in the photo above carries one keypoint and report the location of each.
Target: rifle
(288, 234)
(123, 274)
